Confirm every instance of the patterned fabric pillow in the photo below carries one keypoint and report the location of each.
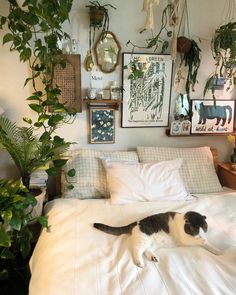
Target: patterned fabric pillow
(197, 170)
(90, 179)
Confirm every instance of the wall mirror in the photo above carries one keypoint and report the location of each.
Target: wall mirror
(107, 50)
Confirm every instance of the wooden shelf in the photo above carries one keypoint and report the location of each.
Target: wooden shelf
(108, 103)
(199, 134)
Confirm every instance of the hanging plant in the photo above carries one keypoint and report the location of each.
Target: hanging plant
(223, 46)
(99, 19)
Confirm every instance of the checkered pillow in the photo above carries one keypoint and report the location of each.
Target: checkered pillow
(197, 170)
(90, 179)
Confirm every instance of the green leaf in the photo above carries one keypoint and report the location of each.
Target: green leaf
(59, 163)
(43, 221)
(25, 54)
(27, 120)
(70, 186)
(33, 97)
(71, 172)
(38, 124)
(7, 38)
(7, 215)
(16, 221)
(5, 239)
(53, 171)
(45, 136)
(36, 107)
(55, 119)
(3, 20)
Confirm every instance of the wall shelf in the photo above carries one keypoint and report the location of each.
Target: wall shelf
(106, 103)
(199, 134)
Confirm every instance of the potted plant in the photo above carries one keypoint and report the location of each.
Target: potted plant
(35, 29)
(224, 53)
(190, 56)
(15, 231)
(99, 19)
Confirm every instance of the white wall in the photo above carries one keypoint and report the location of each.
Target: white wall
(125, 23)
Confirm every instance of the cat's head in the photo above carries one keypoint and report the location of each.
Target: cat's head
(193, 222)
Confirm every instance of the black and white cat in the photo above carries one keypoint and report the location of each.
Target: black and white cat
(162, 230)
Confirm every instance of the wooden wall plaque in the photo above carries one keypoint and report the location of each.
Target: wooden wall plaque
(69, 80)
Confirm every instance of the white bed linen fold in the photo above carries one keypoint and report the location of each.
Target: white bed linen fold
(76, 259)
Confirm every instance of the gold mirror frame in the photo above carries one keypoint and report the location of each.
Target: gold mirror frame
(107, 51)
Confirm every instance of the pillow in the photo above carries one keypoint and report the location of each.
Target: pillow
(90, 179)
(197, 171)
(137, 182)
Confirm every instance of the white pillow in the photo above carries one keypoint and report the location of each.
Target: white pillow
(197, 171)
(136, 182)
(90, 178)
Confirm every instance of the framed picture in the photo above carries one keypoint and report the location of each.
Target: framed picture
(102, 125)
(210, 118)
(146, 89)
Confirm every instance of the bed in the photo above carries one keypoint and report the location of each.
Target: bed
(75, 258)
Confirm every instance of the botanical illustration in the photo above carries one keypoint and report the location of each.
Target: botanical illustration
(146, 83)
(102, 126)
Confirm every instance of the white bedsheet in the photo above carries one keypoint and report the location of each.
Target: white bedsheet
(76, 259)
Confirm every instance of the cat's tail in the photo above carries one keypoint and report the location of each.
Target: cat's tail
(127, 229)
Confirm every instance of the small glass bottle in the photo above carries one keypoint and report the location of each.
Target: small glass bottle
(115, 91)
(74, 46)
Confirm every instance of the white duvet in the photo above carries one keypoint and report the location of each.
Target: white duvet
(76, 259)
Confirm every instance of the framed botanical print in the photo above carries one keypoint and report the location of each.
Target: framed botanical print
(210, 117)
(102, 125)
(146, 90)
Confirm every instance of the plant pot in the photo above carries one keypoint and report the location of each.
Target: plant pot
(183, 44)
(96, 16)
(38, 208)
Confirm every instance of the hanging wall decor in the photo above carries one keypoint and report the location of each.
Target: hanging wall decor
(146, 90)
(208, 117)
(102, 125)
(69, 81)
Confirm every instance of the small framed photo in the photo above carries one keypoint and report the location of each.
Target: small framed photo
(209, 117)
(175, 128)
(185, 127)
(102, 125)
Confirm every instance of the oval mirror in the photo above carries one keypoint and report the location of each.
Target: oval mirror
(107, 50)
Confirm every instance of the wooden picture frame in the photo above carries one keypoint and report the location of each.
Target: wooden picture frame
(102, 125)
(209, 117)
(146, 98)
(69, 80)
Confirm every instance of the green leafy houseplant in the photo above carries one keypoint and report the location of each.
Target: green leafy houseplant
(190, 58)
(15, 217)
(224, 53)
(99, 19)
(35, 29)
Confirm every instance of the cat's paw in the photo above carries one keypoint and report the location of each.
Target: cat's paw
(154, 259)
(139, 263)
(151, 256)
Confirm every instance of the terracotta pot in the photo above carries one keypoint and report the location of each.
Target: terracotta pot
(96, 16)
(183, 44)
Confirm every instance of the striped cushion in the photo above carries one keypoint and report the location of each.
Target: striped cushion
(90, 179)
(197, 170)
